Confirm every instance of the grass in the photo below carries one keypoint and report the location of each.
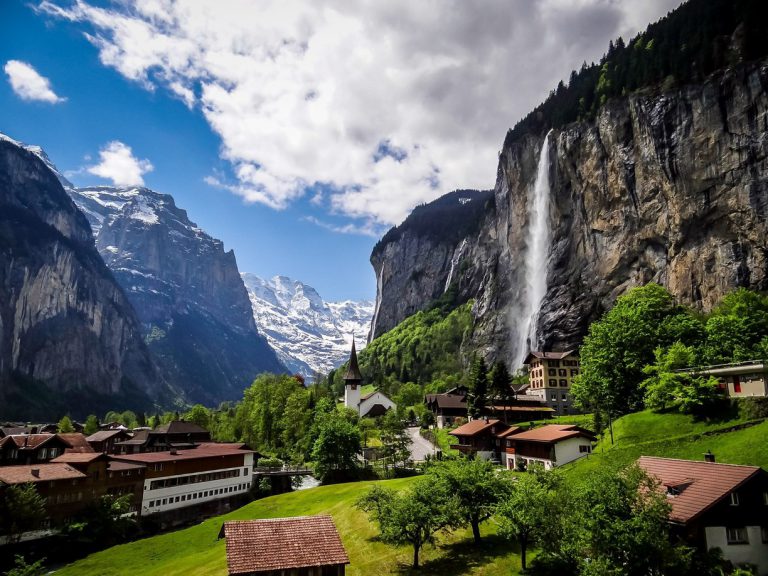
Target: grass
(733, 441)
(197, 550)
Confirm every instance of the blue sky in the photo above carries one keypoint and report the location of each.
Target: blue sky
(297, 132)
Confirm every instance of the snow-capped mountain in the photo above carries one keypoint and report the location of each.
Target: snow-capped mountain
(195, 313)
(309, 334)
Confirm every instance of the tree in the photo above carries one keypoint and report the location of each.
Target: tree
(335, 450)
(479, 393)
(200, 415)
(667, 387)
(23, 509)
(410, 394)
(735, 327)
(527, 509)
(477, 485)
(65, 425)
(618, 347)
(104, 523)
(22, 568)
(395, 440)
(501, 384)
(91, 425)
(412, 516)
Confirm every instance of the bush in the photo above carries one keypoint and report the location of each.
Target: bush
(753, 408)
(270, 463)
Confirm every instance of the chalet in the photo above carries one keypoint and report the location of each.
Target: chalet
(182, 478)
(175, 435)
(105, 440)
(551, 445)
(66, 491)
(480, 437)
(20, 449)
(447, 407)
(374, 404)
(300, 546)
(77, 442)
(739, 380)
(550, 376)
(716, 506)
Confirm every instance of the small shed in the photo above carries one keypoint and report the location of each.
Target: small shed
(299, 546)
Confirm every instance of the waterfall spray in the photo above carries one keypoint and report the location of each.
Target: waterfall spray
(536, 257)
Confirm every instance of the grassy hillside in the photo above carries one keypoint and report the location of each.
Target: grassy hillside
(197, 551)
(733, 441)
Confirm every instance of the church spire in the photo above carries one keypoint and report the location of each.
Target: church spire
(352, 375)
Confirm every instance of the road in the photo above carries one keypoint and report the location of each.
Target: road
(419, 446)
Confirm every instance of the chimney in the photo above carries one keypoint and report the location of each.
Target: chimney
(709, 457)
(174, 452)
(35, 472)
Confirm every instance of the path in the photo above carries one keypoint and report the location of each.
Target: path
(419, 446)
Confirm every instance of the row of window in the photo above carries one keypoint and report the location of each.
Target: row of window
(739, 535)
(552, 383)
(197, 495)
(196, 478)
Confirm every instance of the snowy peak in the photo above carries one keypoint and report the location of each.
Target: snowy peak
(309, 334)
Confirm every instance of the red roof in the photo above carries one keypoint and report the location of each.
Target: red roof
(78, 457)
(114, 466)
(476, 426)
(282, 544)
(509, 432)
(205, 450)
(701, 484)
(30, 441)
(45, 473)
(553, 433)
(77, 441)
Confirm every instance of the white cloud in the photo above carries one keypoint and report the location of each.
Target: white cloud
(120, 165)
(310, 93)
(28, 84)
(367, 229)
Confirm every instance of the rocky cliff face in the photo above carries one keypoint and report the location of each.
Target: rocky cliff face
(193, 306)
(69, 339)
(666, 187)
(309, 334)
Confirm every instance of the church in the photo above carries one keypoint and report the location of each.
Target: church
(371, 405)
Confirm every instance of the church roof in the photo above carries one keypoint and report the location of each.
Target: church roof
(353, 370)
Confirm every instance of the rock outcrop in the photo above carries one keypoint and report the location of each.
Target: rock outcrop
(69, 338)
(667, 187)
(193, 306)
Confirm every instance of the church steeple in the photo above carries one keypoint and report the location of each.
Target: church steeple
(352, 375)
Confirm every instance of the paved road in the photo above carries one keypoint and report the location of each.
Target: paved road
(419, 446)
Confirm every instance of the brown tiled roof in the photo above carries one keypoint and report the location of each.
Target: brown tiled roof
(282, 544)
(210, 450)
(78, 457)
(547, 355)
(553, 433)
(179, 427)
(77, 442)
(103, 435)
(520, 409)
(509, 432)
(46, 472)
(138, 438)
(447, 400)
(30, 441)
(475, 427)
(115, 466)
(702, 484)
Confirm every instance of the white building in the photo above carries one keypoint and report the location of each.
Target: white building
(182, 478)
(374, 404)
(551, 445)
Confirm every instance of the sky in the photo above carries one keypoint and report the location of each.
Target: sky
(296, 132)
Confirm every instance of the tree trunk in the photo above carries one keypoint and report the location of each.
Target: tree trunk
(523, 546)
(476, 529)
(416, 556)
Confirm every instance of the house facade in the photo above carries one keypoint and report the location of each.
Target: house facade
(447, 407)
(716, 506)
(739, 380)
(19, 449)
(551, 376)
(181, 478)
(551, 445)
(481, 438)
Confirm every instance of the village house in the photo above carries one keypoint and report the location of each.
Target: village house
(105, 440)
(373, 404)
(451, 405)
(179, 479)
(716, 506)
(550, 376)
(174, 435)
(300, 546)
(447, 408)
(551, 445)
(20, 449)
(739, 380)
(480, 438)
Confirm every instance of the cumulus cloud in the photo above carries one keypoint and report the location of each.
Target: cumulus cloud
(119, 165)
(383, 104)
(367, 229)
(28, 84)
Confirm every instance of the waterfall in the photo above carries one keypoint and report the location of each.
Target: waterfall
(454, 263)
(536, 257)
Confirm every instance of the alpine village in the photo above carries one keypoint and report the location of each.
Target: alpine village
(564, 374)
